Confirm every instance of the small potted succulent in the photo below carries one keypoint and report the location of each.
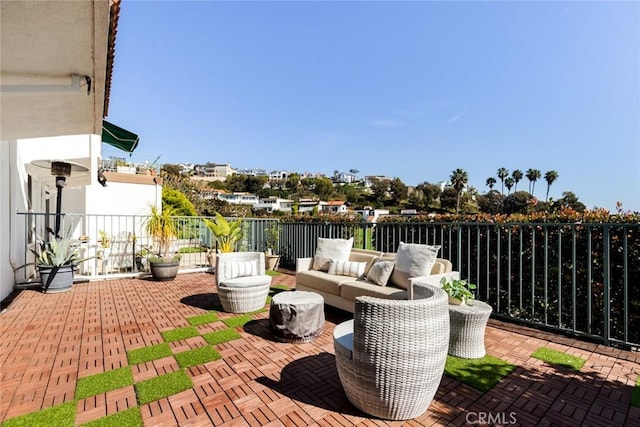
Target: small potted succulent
(459, 291)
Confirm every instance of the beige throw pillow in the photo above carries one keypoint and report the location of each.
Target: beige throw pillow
(329, 249)
(347, 268)
(380, 272)
(413, 260)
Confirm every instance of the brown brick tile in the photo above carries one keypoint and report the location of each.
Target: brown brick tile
(261, 382)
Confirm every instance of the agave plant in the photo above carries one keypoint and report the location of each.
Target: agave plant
(227, 233)
(56, 253)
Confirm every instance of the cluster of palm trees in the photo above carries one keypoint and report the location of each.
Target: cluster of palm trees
(511, 181)
(459, 179)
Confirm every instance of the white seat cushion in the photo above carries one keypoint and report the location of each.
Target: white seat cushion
(246, 281)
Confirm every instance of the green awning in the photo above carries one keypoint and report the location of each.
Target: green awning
(118, 137)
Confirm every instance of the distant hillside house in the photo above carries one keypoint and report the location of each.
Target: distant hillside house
(344, 177)
(214, 171)
(273, 204)
(308, 205)
(371, 215)
(252, 172)
(368, 180)
(239, 198)
(277, 175)
(335, 206)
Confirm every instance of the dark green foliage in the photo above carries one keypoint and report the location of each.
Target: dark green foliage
(517, 202)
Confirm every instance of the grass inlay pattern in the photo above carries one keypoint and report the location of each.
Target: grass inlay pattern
(197, 356)
(237, 321)
(635, 395)
(60, 416)
(481, 374)
(558, 358)
(218, 337)
(129, 417)
(203, 319)
(147, 354)
(103, 382)
(179, 334)
(165, 385)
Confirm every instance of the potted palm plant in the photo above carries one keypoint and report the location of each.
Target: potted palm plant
(272, 244)
(161, 227)
(57, 261)
(459, 291)
(227, 234)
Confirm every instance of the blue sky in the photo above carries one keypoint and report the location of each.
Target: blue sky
(405, 89)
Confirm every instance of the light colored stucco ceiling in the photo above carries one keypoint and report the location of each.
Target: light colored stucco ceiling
(42, 44)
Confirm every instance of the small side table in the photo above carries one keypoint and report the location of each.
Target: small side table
(468, 323)
(296, 316)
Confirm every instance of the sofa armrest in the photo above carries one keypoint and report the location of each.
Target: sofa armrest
(433, 280)
(303, 264)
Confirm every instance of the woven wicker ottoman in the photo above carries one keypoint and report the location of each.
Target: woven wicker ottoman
(296, 316)
(468, 323)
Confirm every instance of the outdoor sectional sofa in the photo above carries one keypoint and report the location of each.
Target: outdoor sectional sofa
(341, 291)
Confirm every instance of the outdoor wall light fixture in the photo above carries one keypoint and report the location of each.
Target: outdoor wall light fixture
(61, 170)
(77, 81)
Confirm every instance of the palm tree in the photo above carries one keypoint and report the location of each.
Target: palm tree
(491, 181)
(532, 175)
(459, 179)
(550, 177)
(509, 182)
(517, 177)
(502, 174)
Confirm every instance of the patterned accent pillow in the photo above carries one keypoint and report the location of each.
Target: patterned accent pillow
(242, 269)
(328, 249)
(347, 268)
(413, 260)
(380, 272)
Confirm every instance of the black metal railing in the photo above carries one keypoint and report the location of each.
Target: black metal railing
(582, 279)
(577, 278)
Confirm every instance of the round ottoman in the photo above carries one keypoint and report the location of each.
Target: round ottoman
(296, 316)
(467, 324)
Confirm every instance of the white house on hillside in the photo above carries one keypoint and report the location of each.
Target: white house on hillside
(272, 204)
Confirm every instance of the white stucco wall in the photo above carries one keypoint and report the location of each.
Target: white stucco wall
(6, 271)
(81, 195)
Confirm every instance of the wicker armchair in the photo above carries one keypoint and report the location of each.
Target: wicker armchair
(241, 281)
(391, 357)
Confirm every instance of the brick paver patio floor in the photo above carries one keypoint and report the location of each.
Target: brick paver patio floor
(48, 342)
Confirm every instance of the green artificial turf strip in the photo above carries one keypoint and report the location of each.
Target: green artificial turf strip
(237, 321)
(555, 357)
(165, 385)
(218, 337)
(202, 319)
(272, 273)
(106, 381)
(635, 396)
(179, 334)
(147, 354)
(59, 416)
(130, 418)
(197, 356)
(481, 374)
